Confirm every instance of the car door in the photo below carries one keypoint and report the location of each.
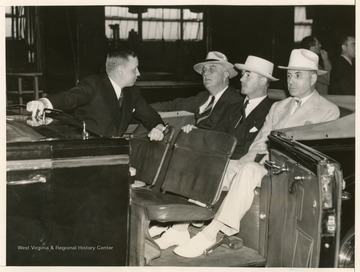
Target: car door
(304, 215)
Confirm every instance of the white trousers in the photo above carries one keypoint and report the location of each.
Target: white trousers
(241, 180)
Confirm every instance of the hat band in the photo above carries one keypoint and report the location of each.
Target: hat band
(212, 60)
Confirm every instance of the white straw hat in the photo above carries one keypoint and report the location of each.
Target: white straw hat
(216, 58)
(304, 60)
(259, 66)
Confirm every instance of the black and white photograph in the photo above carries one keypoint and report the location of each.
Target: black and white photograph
(175, 135)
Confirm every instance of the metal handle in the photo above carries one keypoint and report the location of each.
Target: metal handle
(34, 179)
(234, 243)
(277, 169)
(296, 180)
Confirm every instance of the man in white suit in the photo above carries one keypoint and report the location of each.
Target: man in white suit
(305, 106)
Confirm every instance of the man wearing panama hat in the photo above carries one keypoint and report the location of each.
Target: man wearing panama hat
(305, 106)
(208, 106)
(244, 119)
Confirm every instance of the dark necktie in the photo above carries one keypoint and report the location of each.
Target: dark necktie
(120, 100)
(243, 113)
(207, 110)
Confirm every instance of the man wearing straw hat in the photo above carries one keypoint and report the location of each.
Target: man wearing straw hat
(208, 106)
(305, 106)
(243, 120)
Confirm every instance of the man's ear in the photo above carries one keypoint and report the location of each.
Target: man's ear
(119, 69)
(343, 47)
(314, 77)
(226, 76)
(263, 81)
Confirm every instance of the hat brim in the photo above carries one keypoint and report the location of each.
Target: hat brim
(251, 69)
(227, 65)
(319, 72)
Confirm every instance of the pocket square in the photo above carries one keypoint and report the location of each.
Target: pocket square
(253, 129)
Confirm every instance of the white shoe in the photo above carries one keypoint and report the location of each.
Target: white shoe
(197, 225)
(172, 237)
(195, 247)
(156, 230)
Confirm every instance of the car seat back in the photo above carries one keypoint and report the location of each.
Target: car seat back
(198, 164)
(148, 157)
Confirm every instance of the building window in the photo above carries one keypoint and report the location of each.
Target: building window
(15, 23)
(303, 26)
(168, 24)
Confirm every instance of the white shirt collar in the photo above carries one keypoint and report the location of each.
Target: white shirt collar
(116, 88)
(219, 94)
(348, 60)
(304, 99)
(216, 99)
(253, 103)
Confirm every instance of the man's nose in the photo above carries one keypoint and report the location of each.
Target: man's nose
(137, 72)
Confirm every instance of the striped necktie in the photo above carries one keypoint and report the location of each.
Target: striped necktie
(243, 113)
(207, 110)
(296, 105)
(121, 98)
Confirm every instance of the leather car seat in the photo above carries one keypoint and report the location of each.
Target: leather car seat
(191, 187)
(148, 157)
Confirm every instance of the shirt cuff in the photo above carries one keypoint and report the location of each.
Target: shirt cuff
(47, 103)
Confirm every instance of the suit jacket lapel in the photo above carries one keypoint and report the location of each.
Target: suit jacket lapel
(283, 114)
(299, 117)
(203, 100)
(110, 99)
(257, 108)
(126, 108)
(253, 117)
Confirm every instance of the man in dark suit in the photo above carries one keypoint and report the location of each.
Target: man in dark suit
(243, 120)
(208, 106)
(106, 102)
(342, 78)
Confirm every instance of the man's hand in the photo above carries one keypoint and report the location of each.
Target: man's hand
(188, 128)
(36, 107)
(157, 133)
(324, 55)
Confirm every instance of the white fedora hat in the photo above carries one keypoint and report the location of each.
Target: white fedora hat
(216, 58)
(259, 66)
(304, 60)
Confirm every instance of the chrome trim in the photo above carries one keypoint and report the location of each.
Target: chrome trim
(347, 252)
(28, 164)
(67, 162)
(91, 161)
(34, 179)
(345, 196)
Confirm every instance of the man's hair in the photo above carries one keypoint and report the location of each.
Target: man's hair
(117, 58)
(268, 81)
(307, 42)
(344, 39)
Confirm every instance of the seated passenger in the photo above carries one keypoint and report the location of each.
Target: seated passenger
(208, 106)
(106, 102)
(305, 106)
(242, 119)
